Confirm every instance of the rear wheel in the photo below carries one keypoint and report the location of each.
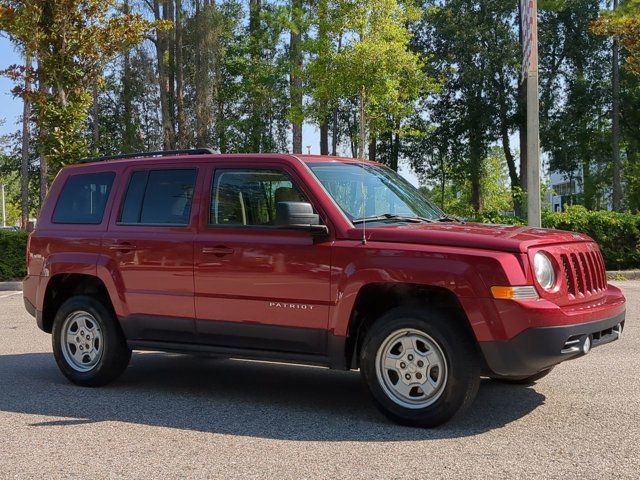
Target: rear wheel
(420, 367)
(88, 345)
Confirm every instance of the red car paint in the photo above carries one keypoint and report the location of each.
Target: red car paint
(188, 279)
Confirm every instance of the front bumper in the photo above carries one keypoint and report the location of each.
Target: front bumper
(539, 348)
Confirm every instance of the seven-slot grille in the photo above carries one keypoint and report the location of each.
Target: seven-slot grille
(584, 272)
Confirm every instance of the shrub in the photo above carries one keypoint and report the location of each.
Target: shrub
(618, 234)
(13, 247)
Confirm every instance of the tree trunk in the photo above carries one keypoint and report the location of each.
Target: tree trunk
(24, 163)
(324, 137)
(443, 180)
(182, 140)
(168, 132)
(95, 113)
(127, 100)
(372, 148)
(588, 187)
(42, 138)
(475, 154)
(255, 134)
(169, 13)
(335, 135)
(615, 126)
(395, 151)
(362, 123)
(127, 106)
(295, 75)
(506, 147)
(522, 115)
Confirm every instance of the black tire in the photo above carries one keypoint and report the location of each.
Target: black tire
(526, 380)
(462, 365)
(115, 354)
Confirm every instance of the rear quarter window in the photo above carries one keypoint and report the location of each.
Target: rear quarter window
(83, 198)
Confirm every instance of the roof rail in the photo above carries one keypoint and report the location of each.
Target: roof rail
(159, 153)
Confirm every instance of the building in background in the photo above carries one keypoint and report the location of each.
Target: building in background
(568, 190)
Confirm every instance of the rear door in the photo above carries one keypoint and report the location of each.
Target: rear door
(150, 243)
(258, 286)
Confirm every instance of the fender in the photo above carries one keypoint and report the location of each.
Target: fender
(467, 273)
(59, 263)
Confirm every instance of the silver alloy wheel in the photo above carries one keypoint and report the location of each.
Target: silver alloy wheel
(411, 368)
(81, 341)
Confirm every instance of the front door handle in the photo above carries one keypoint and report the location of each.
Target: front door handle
(218, 251)
(123, 247)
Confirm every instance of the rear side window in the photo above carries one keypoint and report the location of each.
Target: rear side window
(159, 197)
(83, 198)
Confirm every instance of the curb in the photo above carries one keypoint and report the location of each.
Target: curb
(10, 286)
(623, 274)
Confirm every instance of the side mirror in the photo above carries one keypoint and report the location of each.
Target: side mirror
(299, 216)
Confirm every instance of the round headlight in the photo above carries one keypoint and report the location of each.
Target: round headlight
(544, 271)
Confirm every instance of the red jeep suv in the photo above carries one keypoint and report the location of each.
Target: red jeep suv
(306, 259)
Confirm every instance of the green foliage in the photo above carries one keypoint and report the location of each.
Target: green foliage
(13, 247)
(617, 234)
(494, 188)
(623, 24)
(374, 62)
(72, 41)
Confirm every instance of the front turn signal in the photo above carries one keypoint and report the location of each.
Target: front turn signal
(527, 292)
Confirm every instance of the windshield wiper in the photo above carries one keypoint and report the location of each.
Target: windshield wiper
(391, 216)
(449, 218)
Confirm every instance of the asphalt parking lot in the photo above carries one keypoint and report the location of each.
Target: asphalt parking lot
(173, 416)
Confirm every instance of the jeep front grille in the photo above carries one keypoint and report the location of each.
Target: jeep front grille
(584, 272)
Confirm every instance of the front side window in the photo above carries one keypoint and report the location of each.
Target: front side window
(159, 197)
(364, 190)
(84, 198)
(248, 197)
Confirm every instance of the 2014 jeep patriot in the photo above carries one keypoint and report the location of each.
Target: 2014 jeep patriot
(307, 259)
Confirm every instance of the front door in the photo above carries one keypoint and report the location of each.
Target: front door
(150, 244)
(258, 286)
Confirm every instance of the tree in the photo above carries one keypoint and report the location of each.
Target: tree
(72, 41)
(575, 107)
(374, 65)
(624, 25)
(474, 48)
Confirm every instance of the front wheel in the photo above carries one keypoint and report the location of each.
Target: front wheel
(88, 345)
(420, 366)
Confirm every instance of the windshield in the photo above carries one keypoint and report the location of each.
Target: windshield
(385, 192)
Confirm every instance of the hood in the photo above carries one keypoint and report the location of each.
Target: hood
(474, 235)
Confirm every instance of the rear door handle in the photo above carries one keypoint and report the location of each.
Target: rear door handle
(218, 251)
(123, 247)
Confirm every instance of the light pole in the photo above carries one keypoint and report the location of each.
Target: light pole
(529, 19)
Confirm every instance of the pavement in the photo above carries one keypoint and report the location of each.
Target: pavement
(172, 416)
